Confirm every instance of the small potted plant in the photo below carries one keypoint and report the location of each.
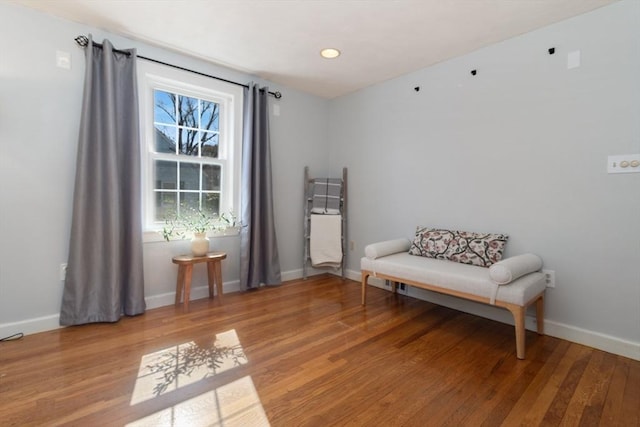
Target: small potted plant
(197, 223)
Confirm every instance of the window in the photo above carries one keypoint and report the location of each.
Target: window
(191, 143)
(186, 167)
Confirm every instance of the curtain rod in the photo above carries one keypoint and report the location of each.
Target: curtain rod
(83, 41)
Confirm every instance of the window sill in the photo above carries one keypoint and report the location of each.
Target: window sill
(156, 236)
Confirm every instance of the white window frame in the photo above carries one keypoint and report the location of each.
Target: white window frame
(153, 76)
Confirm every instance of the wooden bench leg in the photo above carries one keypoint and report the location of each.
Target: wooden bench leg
(365, 277)
(518, 317)
(540, 314)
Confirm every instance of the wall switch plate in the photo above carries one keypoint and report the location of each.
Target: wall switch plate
(573, 59)
(63, 60)
(63, 272)
(623, 163)
(550, 278)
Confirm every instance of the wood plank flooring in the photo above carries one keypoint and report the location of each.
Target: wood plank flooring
(308, 354)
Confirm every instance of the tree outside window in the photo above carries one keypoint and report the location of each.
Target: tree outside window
(187, 167)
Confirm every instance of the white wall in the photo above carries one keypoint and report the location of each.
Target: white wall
(520, 148)
(39, 119)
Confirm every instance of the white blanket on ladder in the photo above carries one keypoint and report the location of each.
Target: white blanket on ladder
(326, 240)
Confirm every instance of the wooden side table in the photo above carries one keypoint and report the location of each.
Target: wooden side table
(185, 270)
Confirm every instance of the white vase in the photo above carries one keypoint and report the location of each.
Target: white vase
(199, 244)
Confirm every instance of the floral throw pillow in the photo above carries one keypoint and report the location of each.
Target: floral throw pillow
(482, 249)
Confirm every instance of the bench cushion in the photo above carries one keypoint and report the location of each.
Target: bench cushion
(456, 276)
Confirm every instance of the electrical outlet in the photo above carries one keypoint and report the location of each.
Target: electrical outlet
(63, 271)
(550, 278)
(625, 163)
(352, 245)
(400, 287)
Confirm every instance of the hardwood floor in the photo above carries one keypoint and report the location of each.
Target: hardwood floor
(308, 354)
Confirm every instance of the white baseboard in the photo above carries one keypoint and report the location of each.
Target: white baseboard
(31, 326)
(52, 322)
(552, 328)
(291, 275)
(593, 339)
(197, 292)
(298, 273)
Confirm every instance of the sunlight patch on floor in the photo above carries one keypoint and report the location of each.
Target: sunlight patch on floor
(169, 369)
(233, 404)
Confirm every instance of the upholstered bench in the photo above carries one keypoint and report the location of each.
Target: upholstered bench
(514, 283)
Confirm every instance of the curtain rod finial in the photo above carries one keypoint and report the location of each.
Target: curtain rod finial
(82, 41)
(277, 95)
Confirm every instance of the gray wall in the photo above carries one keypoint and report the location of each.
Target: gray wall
(520, 148)
(39, 119)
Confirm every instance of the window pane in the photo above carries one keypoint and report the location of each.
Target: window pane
(189, 203)
(165, 139)
(209, 117)
(188, 142)
(189, 176)
(187, 111)
(166, 175)
(211, 177)
(164, 107)
(166, 205)
(211, 203)
(209, 141)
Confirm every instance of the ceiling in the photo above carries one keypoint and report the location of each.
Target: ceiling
(280, 40)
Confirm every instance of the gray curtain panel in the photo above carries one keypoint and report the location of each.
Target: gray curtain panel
(259, 260)
(105, 273)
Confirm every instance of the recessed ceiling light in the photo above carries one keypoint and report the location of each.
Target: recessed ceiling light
(330, 53)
